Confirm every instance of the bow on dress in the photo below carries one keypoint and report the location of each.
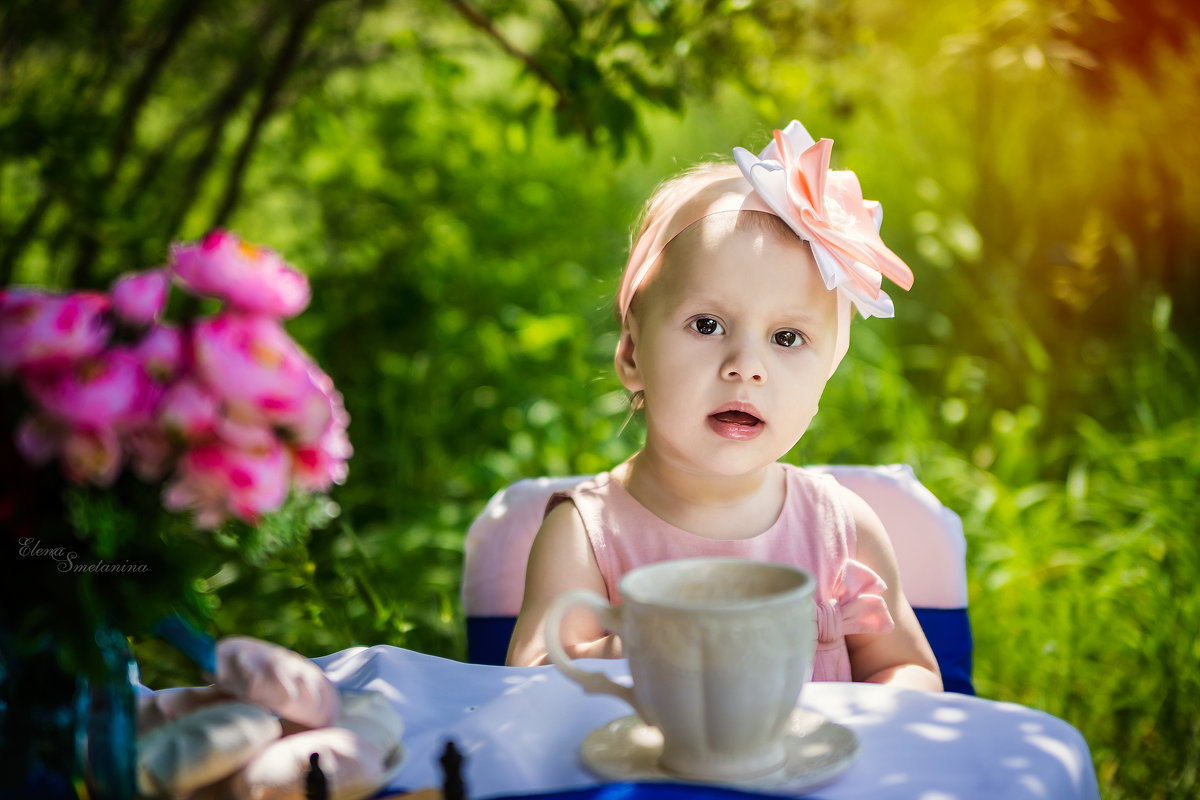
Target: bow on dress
(857, 607)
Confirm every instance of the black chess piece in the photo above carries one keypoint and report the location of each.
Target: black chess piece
(452, 781)
(316, 786)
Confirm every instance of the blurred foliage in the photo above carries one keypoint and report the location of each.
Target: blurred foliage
(457, 180)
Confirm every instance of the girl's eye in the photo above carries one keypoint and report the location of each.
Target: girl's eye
(707, 326)
(787, 338)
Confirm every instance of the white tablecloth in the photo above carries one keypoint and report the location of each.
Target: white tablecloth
(521, 728)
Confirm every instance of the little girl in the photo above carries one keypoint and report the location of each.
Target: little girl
(735, 311)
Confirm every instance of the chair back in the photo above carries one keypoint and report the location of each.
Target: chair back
(927, 537)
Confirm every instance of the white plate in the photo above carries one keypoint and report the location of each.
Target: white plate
(818, 751)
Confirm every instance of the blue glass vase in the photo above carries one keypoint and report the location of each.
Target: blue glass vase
(65, 736)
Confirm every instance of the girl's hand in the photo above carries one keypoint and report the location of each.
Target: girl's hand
(901, 657)
(607, 647)
(561, 559)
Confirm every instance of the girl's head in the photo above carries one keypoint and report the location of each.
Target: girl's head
(789, 180)
(729, 343)
(735, 304)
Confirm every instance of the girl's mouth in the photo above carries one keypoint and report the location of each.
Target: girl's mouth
(737, 425)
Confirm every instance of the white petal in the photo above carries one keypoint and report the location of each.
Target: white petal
(874, 306)
(867, 273)
(797, 137)
(868, 306)
(770, 181)
(876, 210)
(745, 160)
(830, 268)
(770, 152)
(837, 276)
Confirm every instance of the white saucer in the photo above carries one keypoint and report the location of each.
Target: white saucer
(818, 751)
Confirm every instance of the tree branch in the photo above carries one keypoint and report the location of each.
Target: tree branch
(289, 53)
(139, 91)
(135, 99)
(478, 19)
(220, 107)
(228, 102)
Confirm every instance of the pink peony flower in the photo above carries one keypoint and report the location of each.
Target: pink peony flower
(39, 439)
(88, 455)
(92, 456)
(217, 480)
(308, 416)
(320, 462)
(161, 352)
(316, 467)
(95, 393)
(145, 410)
(305, 419)
(247, 433)
(150, 452)
(260, 373)
(188, 410)
(231, 407)
(41, 330)
(252, 279)
(140, 297)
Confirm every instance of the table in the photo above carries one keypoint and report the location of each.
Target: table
(521, 728)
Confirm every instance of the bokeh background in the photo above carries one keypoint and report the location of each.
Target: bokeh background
(459, 179)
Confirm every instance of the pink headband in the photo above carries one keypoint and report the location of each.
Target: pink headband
(791, 179)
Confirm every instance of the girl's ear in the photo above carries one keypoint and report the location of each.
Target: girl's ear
(625, 358)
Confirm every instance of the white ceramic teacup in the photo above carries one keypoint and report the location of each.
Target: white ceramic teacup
(718, 648)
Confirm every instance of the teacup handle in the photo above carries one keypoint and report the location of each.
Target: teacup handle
(610, 617)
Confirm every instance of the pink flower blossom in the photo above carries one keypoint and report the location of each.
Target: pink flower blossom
(88, 455)
(247, 433)
(41, 330)
(140, 297)
(252, 279)
(39, 439)
(217, 480)
(145, 410)
(306, 418)
(316, 467)
(150, 452)
(260, 373)
(188, 410)
(161, 352)
(95, 393)
(230, 407)
(321, 461)
(92, 456)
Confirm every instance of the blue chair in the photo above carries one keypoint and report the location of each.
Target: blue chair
(927, 537)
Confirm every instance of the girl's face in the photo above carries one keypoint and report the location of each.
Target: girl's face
(731, 344)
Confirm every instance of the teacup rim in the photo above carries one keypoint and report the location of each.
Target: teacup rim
(806, 587)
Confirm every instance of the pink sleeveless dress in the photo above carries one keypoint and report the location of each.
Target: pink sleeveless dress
(815, 531)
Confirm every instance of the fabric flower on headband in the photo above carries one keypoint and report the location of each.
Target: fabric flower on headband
(826, 208)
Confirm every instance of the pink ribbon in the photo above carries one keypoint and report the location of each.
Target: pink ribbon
(857, 606)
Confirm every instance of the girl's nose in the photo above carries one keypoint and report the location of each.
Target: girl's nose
(744, 364)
